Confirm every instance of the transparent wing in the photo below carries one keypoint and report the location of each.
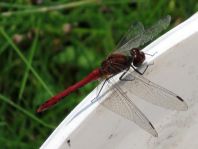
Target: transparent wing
(149, 91)
(119, 103)
(134, 34)
(145, 36)
(155, 29)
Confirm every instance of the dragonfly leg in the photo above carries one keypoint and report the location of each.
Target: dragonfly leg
(96, 98)
(123, 74)
(150, 54)
(139, 72)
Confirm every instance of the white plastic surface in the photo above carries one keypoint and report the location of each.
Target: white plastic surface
(91, 126)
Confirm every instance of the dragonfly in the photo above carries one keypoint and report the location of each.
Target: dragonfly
(128, 54)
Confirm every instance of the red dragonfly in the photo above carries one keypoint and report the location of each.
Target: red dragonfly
(129, 55)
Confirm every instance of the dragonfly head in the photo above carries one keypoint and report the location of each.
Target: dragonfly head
(138, 57)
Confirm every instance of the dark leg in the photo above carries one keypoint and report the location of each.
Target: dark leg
(136, 70)
(95, 99)
(150, 54)
(123, 74)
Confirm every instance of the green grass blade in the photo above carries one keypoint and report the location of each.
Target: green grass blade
(49, 8)
(9, 40)
(24, 80)
(10, 102)
(3, 48)
(12, 5)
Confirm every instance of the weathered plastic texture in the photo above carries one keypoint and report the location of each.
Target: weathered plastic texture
(92, 126)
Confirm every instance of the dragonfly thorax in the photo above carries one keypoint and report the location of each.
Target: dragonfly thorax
(115, 64)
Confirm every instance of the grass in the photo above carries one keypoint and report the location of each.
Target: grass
(49, 46)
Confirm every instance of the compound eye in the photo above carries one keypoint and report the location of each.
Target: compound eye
(138, 59)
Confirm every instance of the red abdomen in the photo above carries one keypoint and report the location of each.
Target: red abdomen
(94, 75)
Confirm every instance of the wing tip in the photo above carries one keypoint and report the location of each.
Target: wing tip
(169, 18)
(185, 106)
(154, 133)
(180, 99)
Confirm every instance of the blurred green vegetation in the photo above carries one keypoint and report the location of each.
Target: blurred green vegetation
(47, 45)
